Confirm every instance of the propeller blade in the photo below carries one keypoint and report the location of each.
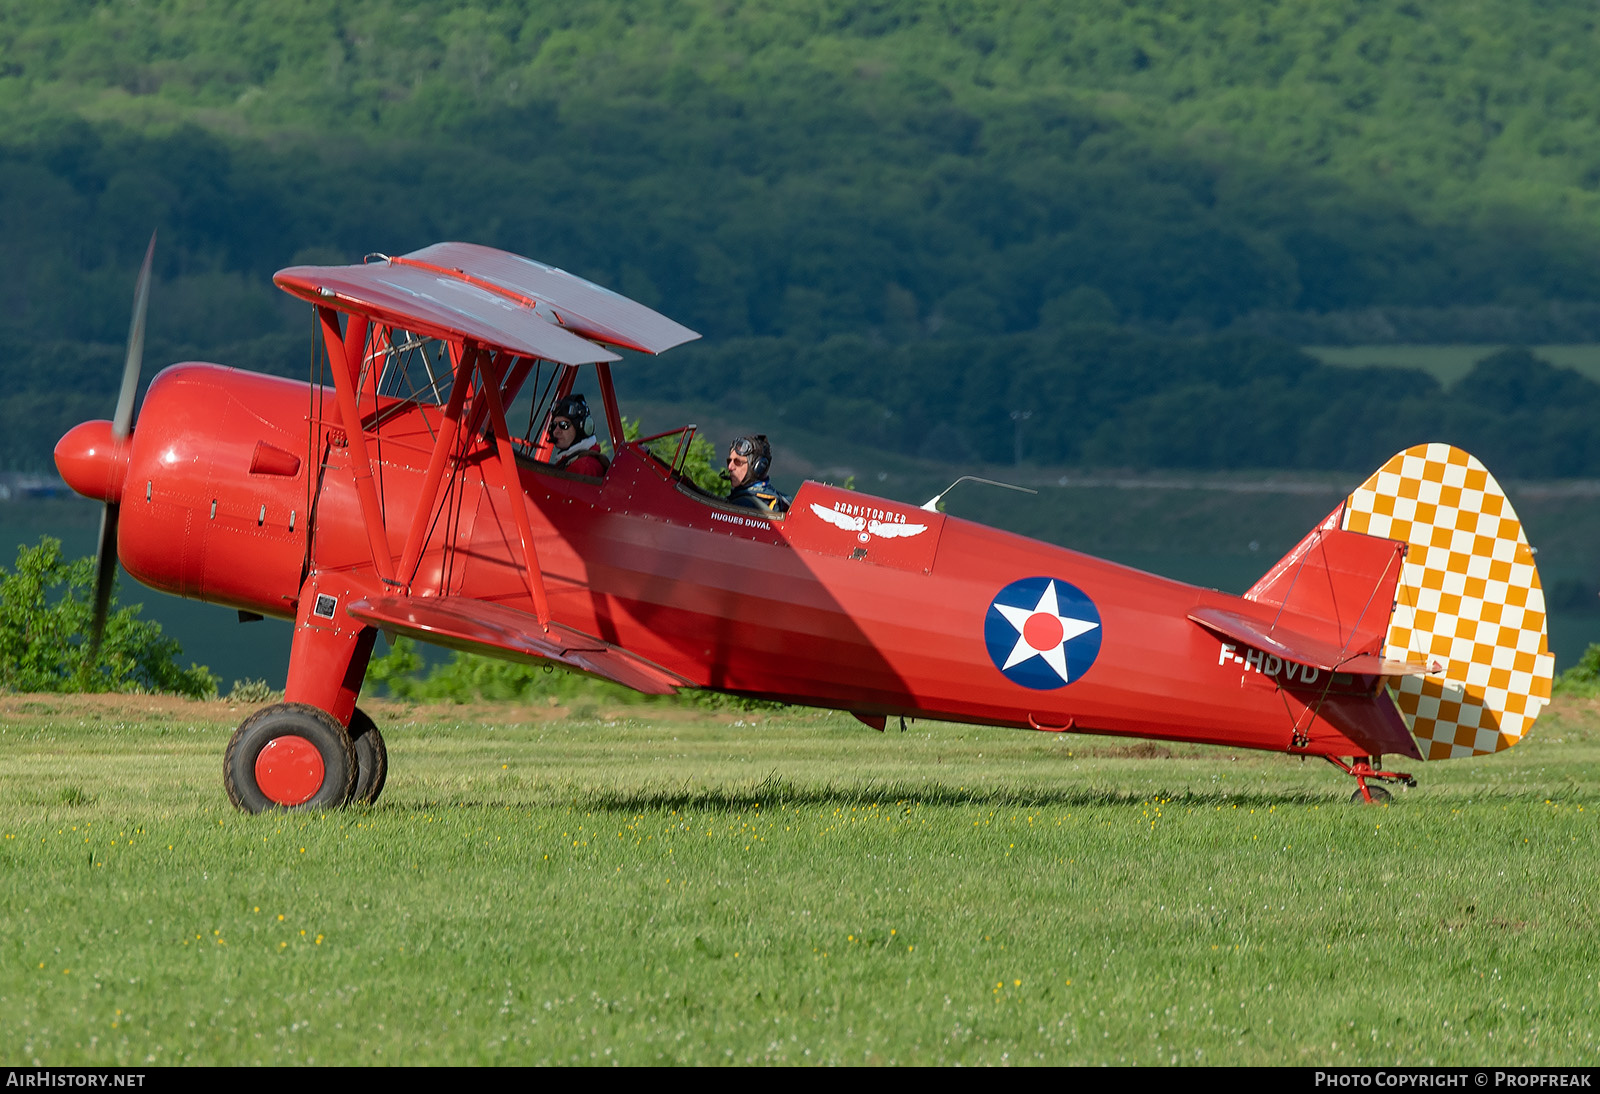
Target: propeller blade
(105, 575)
(122, 423)
(121, 429)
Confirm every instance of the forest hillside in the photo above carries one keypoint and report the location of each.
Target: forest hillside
(886, 218)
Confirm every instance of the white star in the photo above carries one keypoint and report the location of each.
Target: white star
(1049, 618)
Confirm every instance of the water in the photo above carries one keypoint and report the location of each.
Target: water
(211, 636)
(215, 638)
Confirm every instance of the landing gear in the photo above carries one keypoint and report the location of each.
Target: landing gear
(372, 759)
(1368, 767)
(298, 754)
(291, 756)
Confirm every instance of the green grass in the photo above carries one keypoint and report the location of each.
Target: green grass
(1449, 363)
(598, 885)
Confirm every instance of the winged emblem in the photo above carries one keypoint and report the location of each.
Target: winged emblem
(865, 528)
(840, 520)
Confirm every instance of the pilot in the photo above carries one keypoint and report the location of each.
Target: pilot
(749, 461)
(575, 448)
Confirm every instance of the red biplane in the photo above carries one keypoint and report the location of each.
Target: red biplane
(402, 499)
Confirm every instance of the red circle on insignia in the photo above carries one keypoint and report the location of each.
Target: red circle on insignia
(1042, 631)
(289, 770)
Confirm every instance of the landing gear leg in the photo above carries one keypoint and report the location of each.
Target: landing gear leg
(299, 754)
(1370, 767)
(330, 653)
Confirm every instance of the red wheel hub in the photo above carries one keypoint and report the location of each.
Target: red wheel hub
(290, 770)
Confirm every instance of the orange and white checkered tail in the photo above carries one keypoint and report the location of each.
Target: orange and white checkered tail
(1468, 596)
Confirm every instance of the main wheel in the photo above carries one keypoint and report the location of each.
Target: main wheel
(289, 756)
(1379, 795)
(372, 759)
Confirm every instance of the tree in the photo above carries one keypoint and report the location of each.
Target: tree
(45, 609)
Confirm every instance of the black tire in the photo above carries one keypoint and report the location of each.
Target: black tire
(1380, 796)
(291, 726)
(372, 759)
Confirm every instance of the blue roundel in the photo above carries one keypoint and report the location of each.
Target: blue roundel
(1042, 632)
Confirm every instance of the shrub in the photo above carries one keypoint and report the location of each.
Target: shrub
(250, 692)
(1582, 679)
(45, 609)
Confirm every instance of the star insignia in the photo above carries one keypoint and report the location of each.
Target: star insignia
(1043, 632)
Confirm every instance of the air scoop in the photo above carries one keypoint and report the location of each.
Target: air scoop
(93, 461)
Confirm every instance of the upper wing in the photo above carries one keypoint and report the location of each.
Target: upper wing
(590, 310)
(438, 304)
(457, 291)
(482, 626)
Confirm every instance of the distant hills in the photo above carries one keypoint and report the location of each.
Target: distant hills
(892, 217)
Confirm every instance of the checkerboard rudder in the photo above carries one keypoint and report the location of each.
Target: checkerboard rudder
(1469, 597)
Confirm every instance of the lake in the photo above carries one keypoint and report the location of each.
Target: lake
(234, 651)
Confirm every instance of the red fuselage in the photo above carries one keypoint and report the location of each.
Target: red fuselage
(236, 485)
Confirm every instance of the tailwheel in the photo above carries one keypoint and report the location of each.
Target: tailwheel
(1370, 767)
(290, 756)
(372, 759)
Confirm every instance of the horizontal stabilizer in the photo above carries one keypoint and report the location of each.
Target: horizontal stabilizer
(1269, 637)
(480, 626)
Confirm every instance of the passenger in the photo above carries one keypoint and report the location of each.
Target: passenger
(749, 461)
(576, 450)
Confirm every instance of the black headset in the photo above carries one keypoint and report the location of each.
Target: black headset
(755, 449)
(574, 409)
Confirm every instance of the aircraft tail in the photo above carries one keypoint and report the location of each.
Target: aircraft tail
(1468, 597)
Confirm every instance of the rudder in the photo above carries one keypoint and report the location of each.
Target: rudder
(1468, 595)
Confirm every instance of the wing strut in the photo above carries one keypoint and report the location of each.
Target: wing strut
(564, 384)
(488, 371)
(345, 352)
(608, 396)
(476, 369)
(448, 431)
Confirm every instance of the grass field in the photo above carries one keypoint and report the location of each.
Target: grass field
(639, 885)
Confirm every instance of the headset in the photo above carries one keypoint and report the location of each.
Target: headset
(755, 449)
(575, 410)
